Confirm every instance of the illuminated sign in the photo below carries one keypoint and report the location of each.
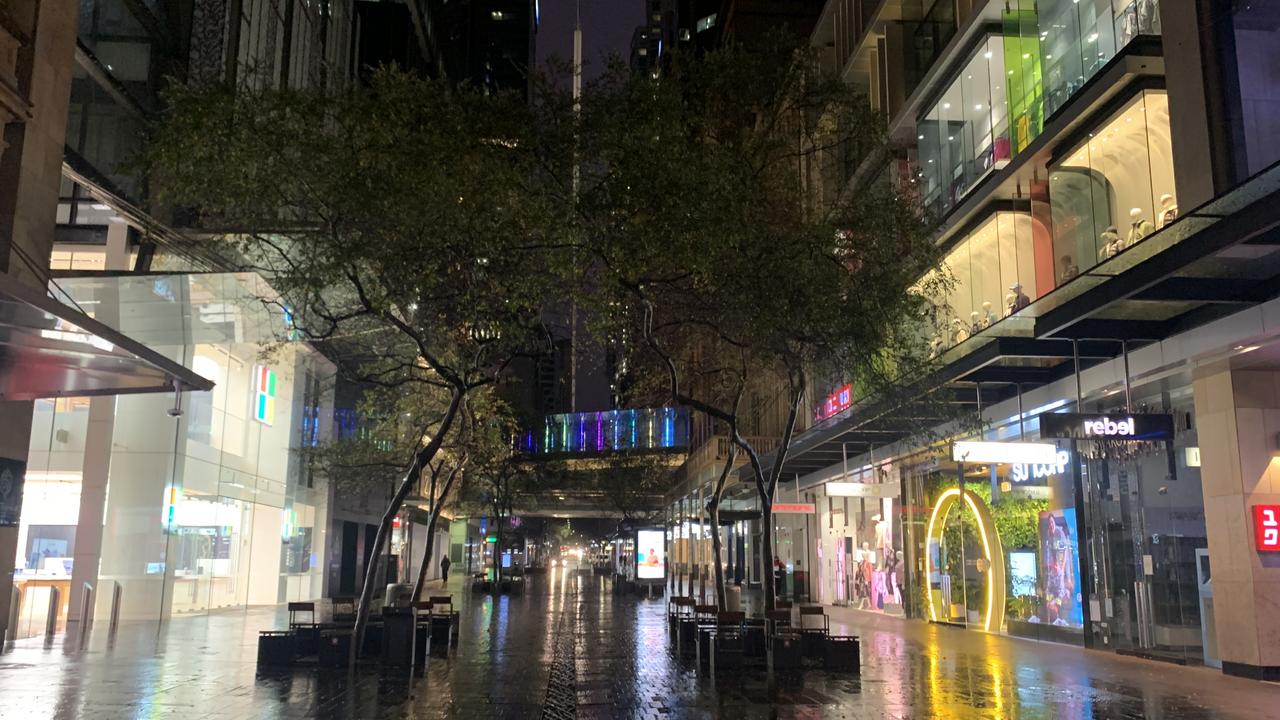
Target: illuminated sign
(1004, 452)
(1023, 472)
(1266, 528)
(264, 394)
(650, 558)
(836, 402)
(793, 508)
(1107, 427)
(857, 489)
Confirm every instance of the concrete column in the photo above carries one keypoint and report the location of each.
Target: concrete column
(1238, 419)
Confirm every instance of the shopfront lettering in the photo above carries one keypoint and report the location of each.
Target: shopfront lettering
(836, 403)
(1266, 528)
(1024, 472)
(1108, 427)
(1132, 427)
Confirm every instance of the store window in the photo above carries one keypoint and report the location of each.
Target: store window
(965, 134)
(1022, 72)
(1117, 187)
(995, 547)
(996, 270)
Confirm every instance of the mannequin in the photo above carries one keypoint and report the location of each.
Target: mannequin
(1110, 239)
(1020, 299)
(1069, 269)
(959, 333)
(1168, 210)
(989, 317)
(1139, 227)
(1009, 300)
(975, 323)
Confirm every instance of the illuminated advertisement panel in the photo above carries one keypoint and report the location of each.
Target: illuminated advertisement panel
(650, 555)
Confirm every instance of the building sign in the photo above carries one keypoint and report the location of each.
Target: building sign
(836, 403)
(1266, 528)
(1136, 427)
(1023, 472)
(793, 508)
(1003, 452)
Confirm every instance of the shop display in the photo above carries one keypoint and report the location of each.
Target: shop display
(1109, 243)
(1069, 269)
(1139, 228)
(1019, 298)
(989, 316)
(1168, 211)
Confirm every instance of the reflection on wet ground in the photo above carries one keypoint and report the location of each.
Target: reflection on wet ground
(568, 647)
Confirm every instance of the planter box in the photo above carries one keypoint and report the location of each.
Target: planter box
(787, 655)
(277, 648)
(842, 653)
(335, 648)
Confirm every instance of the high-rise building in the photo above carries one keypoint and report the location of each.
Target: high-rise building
(1104, 175)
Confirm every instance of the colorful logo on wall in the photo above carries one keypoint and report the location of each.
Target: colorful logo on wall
(264, 395)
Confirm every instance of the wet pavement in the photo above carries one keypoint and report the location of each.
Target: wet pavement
(570, 648)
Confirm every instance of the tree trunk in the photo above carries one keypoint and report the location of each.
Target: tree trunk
(420, 460)
(766, 535)
(426, 555)
(722, 600)
(432, 518)
(716, 544)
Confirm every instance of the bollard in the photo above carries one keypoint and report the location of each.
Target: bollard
(51, 619)
(86, 602)
(115, 607)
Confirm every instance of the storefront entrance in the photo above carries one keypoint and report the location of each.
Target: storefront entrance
(1145, 526)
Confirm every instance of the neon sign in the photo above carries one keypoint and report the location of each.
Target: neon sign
(837, 402)
(1266, 528)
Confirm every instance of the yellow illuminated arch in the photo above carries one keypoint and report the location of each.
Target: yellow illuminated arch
(992, 551)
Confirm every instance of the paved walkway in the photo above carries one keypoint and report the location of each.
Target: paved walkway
(569, 648)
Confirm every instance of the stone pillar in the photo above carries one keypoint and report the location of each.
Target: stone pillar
(37, 50)
(1238, 419)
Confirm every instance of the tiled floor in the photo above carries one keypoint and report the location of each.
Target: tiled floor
(612, 655)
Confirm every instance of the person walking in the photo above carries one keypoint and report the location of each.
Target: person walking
(444, 568)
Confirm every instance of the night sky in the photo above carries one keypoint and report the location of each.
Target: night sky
(606, 29)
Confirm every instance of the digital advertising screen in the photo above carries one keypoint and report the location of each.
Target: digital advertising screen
(650, 555)
(1060, 567)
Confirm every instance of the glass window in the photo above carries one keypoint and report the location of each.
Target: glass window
(1117, 187)
(996, 270)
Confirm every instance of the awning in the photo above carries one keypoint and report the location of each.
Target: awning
(48, 350)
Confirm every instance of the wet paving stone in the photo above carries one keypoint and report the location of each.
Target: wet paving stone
(569, 648)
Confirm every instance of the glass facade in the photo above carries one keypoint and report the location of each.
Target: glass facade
(1116, 187)
(965, 134)
(213, 508)
(993, 272)
(997, 103)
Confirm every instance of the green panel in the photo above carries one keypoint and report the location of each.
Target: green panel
(1023, 72)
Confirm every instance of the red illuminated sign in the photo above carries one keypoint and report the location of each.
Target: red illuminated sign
(1266, 528)
(836, 402)
(793, 508)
